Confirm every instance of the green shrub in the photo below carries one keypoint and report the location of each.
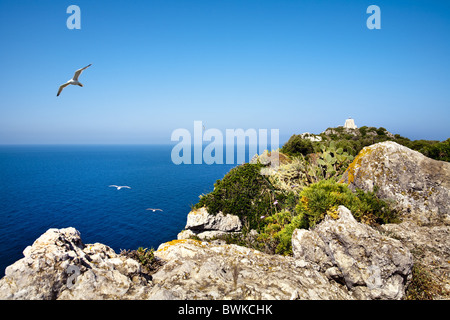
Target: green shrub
(317, 200)
(290, 201)
(363, 131)
(277, 232)
(381, 131)
(423, 285)
(243, 192)
(145, 257)
(433, 149)
(297, 146)
(291, 176)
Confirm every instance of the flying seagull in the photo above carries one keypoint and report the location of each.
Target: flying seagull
(153, 209)
(119, 187)
(74, 80)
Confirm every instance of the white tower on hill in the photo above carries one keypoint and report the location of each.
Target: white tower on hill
(350, 124)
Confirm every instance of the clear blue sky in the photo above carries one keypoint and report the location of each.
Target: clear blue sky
(159, 65)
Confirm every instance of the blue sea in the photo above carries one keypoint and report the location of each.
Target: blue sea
(59, 186)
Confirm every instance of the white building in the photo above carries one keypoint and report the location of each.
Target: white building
(350, 124)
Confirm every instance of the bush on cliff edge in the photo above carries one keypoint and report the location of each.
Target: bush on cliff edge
(243, 192)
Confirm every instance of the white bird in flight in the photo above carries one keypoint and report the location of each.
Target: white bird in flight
(74, 80)
(153, 209)
(119, 187)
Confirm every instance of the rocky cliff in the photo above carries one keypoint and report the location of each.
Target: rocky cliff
(341, 267)
(339, 258)
(420, 188)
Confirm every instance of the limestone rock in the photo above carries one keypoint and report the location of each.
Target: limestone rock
(200, 219)
(204, 225)
(59, 266)
(420, 186)
(430, 248)
(202, 270)
(192, 270)
(371, 265)
(311, 137)
(203, 235)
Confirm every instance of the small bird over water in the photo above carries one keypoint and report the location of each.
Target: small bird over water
(74, 80)
(119, 187)
(153, 209)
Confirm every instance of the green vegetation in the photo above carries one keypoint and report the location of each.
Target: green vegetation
(300, 192)
(317, 200)
(432, 149)
(243, 192)
(145, 257)
(329, 162)
(423, 284)
(352, 141)
(298, 146)
(275, 221)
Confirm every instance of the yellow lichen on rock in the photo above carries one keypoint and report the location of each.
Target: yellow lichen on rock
(166, 245)
(356, 164)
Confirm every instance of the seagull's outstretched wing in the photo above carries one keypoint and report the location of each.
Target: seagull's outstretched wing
(113, 185)
(79, 71)
(61, 88)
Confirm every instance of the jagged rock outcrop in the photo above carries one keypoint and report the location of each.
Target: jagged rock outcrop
(419, 186)
(431, 250)
(204, 225)
(192, 269)
(202, 270)
(59, 266)
(371, 265)
(311, 137)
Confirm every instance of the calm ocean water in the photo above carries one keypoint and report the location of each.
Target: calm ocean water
(46, 187)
